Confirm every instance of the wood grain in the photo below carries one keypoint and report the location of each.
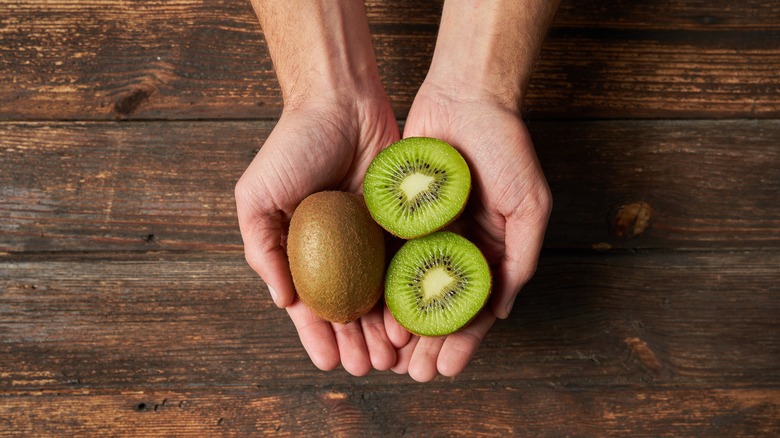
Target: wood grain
(127, 308)
(207, 60)
(627, 14)
(398, 410)
(169, 186)
(193, 320)
(670, 14)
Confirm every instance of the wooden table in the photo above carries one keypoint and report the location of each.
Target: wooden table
(126, 306)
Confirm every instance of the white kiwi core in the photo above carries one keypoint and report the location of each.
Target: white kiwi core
(436, 283)
(414, 184)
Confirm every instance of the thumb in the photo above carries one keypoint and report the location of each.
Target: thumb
(266, 255)
(523, 242)
(262, 227)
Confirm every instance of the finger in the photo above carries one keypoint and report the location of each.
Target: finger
(316, 336)
(422, 366)
(398, 335)
(380, 350)
(524, 238)
(352, 348)
(404, 356)
(459, 348)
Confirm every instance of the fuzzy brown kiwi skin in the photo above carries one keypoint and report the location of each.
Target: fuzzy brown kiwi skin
(337, 256)
(354, 315)
(481, 308)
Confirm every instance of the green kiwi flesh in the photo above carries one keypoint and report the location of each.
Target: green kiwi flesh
(416, 186)
(436, 284)
(337, 256)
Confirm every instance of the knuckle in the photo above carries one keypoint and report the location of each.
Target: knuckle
(540, 202)
(528, 271)
(466, 342)
(240, 188)
(242, 193)
(347, 330)
(251, 260)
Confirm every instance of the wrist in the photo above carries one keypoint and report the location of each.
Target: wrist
(335, 71)
(442, 85)
(319, 48)
(464, 64)
(486, 50)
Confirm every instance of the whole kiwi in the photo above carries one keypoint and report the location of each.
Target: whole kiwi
(337, 255)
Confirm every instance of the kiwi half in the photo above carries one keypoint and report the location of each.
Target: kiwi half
(436, 284)
(416, 186)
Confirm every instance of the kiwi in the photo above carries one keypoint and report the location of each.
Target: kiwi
(416, 186)
(337, 256)
(436, 284)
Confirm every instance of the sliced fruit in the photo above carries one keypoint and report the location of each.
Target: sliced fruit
(416, 186)
(436, 284)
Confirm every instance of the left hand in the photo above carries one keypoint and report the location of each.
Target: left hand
(506, 218)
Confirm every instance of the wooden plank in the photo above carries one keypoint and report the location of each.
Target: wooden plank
(606, 73)
(670, 14)
(157, 320)
(623, 14)
(89, 186)
(165, 185)
(192, 59)
(399, 410)
(697, 184)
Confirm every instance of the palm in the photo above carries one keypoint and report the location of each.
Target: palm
(312, 150)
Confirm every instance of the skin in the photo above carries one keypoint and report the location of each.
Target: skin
(337, 117)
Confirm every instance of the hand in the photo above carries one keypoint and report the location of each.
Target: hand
(323, 143)
(506, 218)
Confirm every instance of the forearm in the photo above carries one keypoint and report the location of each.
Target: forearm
(486, 49)
(319, 47)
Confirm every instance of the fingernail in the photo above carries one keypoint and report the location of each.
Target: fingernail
(274, 296)
(509, 306)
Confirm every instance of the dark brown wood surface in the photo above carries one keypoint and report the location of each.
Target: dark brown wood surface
(126, 306)
(398, 410)
(168, 185)
(183, 59)
(102, 320)
(597, 336)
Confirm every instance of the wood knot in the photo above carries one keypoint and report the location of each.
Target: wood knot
(334, 396)
(334, 400)
(630, 220)
(128, 104)
(601, 246)
(642, 351)
(709, 20)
